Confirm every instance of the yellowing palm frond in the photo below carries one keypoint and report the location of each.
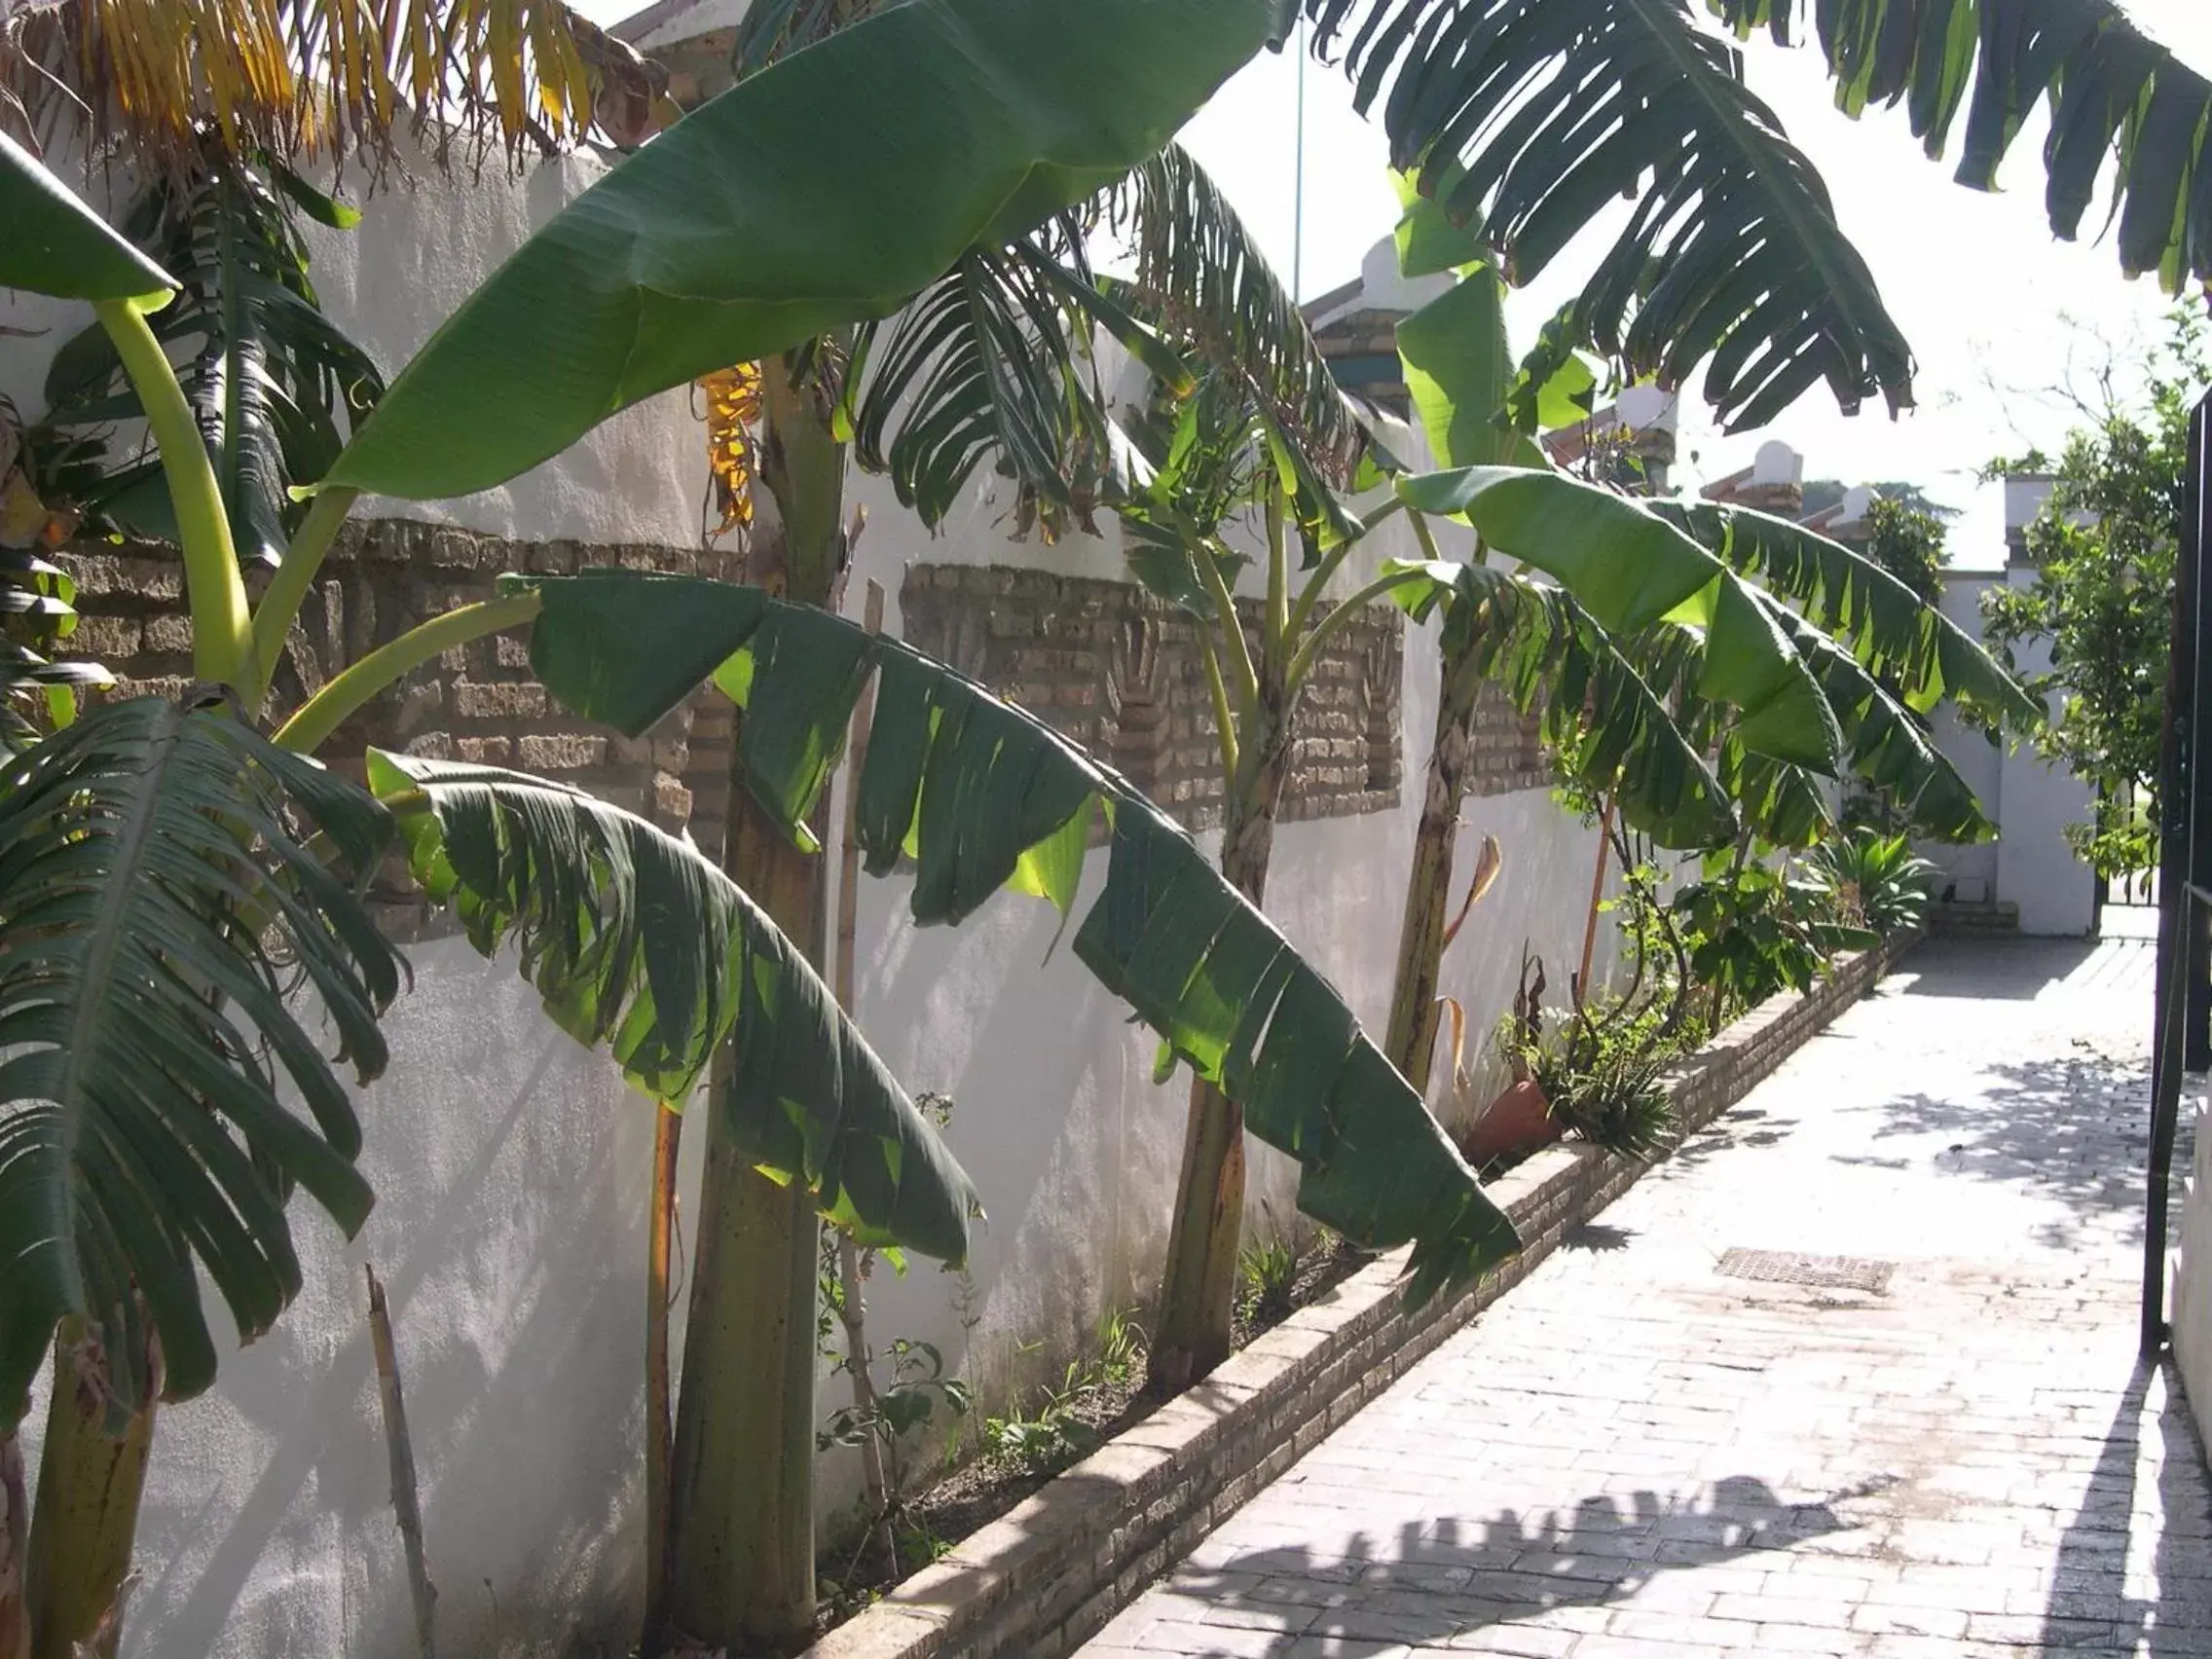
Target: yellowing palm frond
(308, 79)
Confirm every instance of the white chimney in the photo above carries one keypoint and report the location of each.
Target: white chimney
(1645, 408)
(1777, 464)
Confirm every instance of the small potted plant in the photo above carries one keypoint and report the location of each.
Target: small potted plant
(1520, 1119)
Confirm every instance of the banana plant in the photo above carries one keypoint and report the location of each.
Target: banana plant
(157, 887)
(1656, 625)
(496, 856)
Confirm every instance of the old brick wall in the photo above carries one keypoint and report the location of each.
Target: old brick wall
(1102, 661)
(478, 702)
(1121, 674)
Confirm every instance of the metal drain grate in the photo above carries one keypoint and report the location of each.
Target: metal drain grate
(1783, 1266)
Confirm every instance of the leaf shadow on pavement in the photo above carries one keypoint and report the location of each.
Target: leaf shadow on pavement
(1531, 1580)
(2072, 1128)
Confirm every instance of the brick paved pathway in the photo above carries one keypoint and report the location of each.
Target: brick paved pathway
(1632, 1455)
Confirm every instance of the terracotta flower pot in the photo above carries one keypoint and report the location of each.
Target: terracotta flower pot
(1520, 1119)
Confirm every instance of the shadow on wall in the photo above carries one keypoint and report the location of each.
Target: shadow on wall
(512, 1174)
(1055, 1116)
(1450, 1577)
(1542, 899)
(2102, 1597)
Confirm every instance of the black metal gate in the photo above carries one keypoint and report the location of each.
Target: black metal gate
(2182, 1018)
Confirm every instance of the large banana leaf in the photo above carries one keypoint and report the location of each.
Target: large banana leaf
(1605, 724)
(57, 245)
(1889, 747)
(158, 910)
(2117, 99)
(640, 945)
(1535, 117)
(1847, 594)
(273, 382)
(1630, 569)
(757, 224)
(1885, 742)
(981, 795)
(1468, 392)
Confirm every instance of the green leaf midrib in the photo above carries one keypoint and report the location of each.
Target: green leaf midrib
(96, 973)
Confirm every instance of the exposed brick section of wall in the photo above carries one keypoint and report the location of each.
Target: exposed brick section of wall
(478, 702)
(1509, 746)
(1120, 674)
(1047, 1577)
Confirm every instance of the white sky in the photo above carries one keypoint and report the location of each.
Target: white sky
(1995, 309)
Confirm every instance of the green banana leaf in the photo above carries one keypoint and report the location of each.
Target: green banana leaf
(162, 908)
(1606, 727)
(273, 382)
(1535, 120)
(981, 795)
(1891, 630)
(1889, 747)
(2118, 102)
(1783, 803)
(57, 245)
(828, 189)
(641, 946)
(1885, 742)
(1477, 406)
(1630, 569)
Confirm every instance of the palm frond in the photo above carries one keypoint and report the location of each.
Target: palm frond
(301, 80)
(276, 384)
(1202, 279)
(2118, 100)
(1531, 118)
(158, 913)
(640, 945)
(1885, 624)
(991, 364)
(981, 795)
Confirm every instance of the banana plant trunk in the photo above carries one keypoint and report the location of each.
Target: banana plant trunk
(741, 1530)
(1197, 1297)
(1410, 1039)
(87, 1514)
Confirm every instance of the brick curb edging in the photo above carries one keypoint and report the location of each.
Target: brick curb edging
(1047, 1577)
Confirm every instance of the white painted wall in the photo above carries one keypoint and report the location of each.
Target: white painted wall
(423, 246)
(2031, 800)
(2191, 1316)
(512, 1169)
(512, 1166)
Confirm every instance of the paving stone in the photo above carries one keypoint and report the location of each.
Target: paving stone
(1634, 1457)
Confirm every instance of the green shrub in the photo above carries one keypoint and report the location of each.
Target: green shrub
(1874, 880)
(1602, 1076)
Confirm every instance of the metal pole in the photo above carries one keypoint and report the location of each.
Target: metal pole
(2179, 788)
(2196, 995)
(1298, 182)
